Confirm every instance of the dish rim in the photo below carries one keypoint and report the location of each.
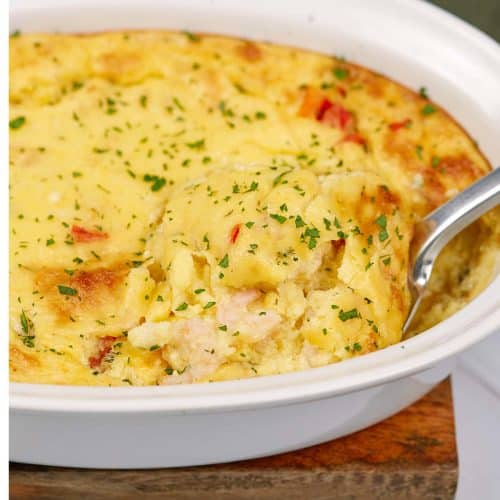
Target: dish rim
(480, 317)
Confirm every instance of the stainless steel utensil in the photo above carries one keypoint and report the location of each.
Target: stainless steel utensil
(440, 226)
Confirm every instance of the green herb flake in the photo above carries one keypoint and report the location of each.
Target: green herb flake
(428, 109)
(279, 218)
(154, 347)
(313, 234)
(299, 222)
(196, 144)
(423, 92)
(340, 73)
(199, 290)
(67, 290)
(347, 315)
(224, 262)
(356, 346)
(18, 122)
(50, 242)
(192, 37)
(381, 221)
(25, 323)
(435, 161)
(208, 305)
(327, 223)
(182, 307)
(279, 178)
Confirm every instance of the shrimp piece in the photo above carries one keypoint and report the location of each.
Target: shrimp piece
(195, 349)
(253, 326)
(311, 356)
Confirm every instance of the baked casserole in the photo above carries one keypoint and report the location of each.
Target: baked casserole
(191, 208)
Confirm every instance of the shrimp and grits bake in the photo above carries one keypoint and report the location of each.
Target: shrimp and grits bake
(192, 208)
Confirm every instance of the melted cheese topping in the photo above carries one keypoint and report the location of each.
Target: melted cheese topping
(189, 208)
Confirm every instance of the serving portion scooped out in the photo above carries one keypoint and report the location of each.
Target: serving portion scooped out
(192, 208)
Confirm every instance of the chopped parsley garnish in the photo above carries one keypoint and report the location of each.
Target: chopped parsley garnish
(279, 178)
(182, 307)
(225, 110)
(428, 109)
(260, 115)
(423, 92)
(277, 217)
(18, 122)
(156, 182)
(327, 223)
(435, 161)
(199, 290)
(347, 315)
(49, 242)
(224, 262)
(192, 37)
(208, 305)
(25, 323)
(253, 187)
(356, 346)
(154, 347)
(340, 73)
(313, 234)
(67, 290)
(143, 100)
(381, 222)
(249, 224)
(419, 150)
(176, 101)
(196, 144)
(299, 222)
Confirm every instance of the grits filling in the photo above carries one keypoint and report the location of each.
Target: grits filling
(191, 208)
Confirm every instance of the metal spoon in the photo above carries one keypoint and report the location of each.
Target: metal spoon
(439, 227)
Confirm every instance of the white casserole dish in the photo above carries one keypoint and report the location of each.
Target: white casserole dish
(135, 427)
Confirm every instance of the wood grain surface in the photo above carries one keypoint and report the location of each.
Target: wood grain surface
(411, 455)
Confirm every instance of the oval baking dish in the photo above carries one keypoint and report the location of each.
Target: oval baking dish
(139, 427)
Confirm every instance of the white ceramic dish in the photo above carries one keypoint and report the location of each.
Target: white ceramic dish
(409, 41)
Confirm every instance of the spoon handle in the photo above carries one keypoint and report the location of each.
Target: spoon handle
(441, 225)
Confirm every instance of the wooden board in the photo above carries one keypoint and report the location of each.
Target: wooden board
(411, 455)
